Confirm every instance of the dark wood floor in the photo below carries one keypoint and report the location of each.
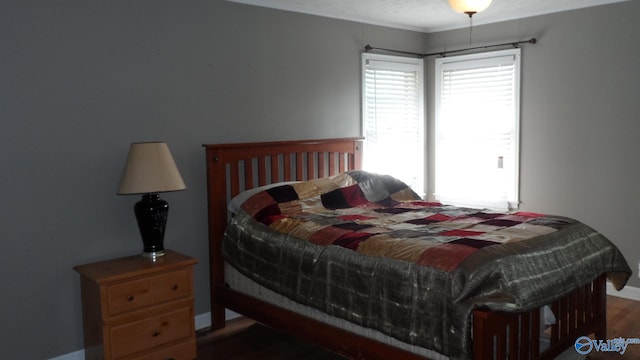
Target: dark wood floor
(244, 339)
(623, 320)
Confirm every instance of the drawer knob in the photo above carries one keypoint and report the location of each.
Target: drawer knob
(174, 287)
(130, 298)
(156, 333)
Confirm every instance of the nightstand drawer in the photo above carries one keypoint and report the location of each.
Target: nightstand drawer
(136, 294)
(136, 336)
(129, 296)
(183, 351)
(171, 286)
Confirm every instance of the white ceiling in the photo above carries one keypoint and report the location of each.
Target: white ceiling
(423, 15)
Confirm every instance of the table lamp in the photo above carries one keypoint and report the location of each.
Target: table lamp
(150, 170)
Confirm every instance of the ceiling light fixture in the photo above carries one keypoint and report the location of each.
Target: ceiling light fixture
(469, 7)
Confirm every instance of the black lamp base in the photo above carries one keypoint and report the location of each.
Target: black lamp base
(151, 213)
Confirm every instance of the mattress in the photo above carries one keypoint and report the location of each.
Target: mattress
(241, 283)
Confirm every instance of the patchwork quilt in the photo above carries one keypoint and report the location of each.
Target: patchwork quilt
(366, 248)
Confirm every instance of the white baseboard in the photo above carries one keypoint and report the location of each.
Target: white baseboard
(77, 355)
(628, 292)
(204, 320)
(201, 321)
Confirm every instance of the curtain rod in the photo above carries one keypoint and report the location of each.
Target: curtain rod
(369, 48)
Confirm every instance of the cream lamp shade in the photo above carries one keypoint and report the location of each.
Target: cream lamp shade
(150, 169)
(469, 6)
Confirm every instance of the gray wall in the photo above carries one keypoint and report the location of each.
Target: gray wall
(80, 80)
(579, 124)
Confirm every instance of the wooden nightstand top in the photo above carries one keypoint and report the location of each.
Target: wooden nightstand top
(132, 266)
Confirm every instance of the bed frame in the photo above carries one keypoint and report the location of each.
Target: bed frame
(232, 168)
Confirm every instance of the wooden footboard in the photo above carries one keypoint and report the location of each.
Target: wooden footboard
(517, 336)
(232, 168)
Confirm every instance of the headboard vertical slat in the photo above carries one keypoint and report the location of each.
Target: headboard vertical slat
(287, 166)
(234, 178)
(248, 174)
(311, 165)
(321, 164)
(332, 163)
(262, 170)
(299, 166)
(275, 166)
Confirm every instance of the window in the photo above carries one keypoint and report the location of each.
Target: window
(477, 128)
(393, 118)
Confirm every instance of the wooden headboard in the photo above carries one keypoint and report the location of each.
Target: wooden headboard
(232, 168)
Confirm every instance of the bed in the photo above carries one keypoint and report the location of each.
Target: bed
(483, 322)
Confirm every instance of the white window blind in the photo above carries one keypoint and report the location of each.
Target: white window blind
(477, 129)
(393, 118)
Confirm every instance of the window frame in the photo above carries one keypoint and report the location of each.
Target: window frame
(466, 61)
(394, 62)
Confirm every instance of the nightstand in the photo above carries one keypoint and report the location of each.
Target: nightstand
(138, 308)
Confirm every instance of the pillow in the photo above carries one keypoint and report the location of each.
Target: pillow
(238, 200)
